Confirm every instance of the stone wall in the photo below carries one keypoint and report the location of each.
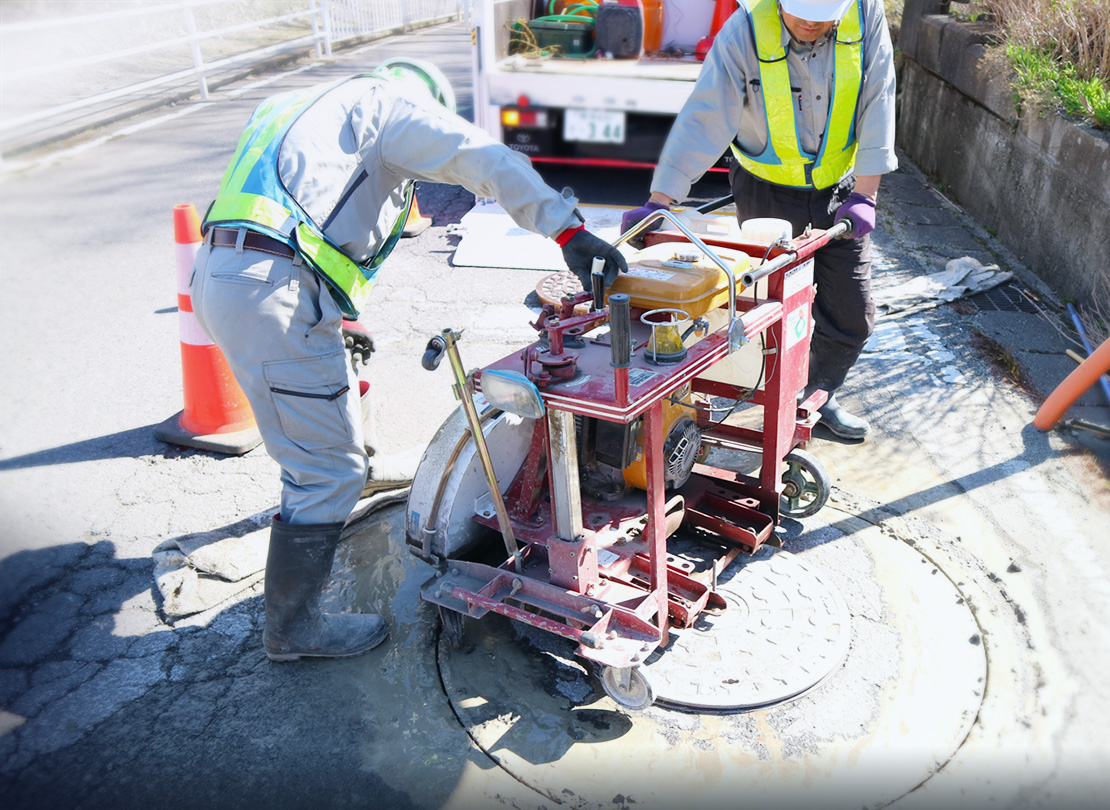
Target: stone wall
(1040, 182)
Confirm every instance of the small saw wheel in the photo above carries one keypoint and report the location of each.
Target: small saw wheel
(806, 485)
(628, 687)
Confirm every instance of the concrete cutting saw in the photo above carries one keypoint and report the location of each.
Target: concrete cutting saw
(550, 496)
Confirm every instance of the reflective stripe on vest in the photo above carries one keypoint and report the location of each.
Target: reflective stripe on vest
(782, 161)
(252, 196)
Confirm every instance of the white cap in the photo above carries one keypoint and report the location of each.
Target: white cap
(816, 10)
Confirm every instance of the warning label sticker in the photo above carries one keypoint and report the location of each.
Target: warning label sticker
(797, 325)
(605, 557)
(644, 272)
(797, 278)
(640, 376)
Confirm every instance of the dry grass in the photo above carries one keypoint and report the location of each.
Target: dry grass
(1096, 316)
(1003, 361)
(1076, 31)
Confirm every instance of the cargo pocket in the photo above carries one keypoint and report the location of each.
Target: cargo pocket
(310, 398)
(250, 267)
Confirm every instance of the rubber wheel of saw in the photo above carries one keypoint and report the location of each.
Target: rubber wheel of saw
(806, 485)
(636, 696)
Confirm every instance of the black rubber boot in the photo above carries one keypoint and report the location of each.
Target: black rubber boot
(833, 415)
(297, 568)
(842, 423)
(829, 365)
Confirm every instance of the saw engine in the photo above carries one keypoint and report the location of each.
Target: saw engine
(611, 455)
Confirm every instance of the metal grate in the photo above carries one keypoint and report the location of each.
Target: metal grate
(1003, 298)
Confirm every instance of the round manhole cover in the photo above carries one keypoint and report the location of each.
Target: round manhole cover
(556, 286)
(786, 628)
(886, 715)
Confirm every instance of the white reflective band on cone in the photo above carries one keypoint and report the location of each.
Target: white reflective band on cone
(191, 333)
(186, 254)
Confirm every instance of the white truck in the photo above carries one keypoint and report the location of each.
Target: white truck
(584, 111)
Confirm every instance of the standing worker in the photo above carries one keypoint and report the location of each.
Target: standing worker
(802, 92)
(313, 201)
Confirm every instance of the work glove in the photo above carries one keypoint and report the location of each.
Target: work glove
(358, 342)
(579, 251)
(859, 209)
(632, 218)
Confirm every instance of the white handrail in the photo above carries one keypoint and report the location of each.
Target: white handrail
(190, 39)
(319, 24)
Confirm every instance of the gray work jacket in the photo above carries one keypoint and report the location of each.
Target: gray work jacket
(726, 102)
(347, 156)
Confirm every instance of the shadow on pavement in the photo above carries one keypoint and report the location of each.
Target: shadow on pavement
(125, 444)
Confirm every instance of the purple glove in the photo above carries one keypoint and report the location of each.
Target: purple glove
(637, 215)
(859, 209)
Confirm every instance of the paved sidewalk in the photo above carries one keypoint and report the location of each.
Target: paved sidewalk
(105, 703)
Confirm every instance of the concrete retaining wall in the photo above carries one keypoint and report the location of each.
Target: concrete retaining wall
(1040, 182)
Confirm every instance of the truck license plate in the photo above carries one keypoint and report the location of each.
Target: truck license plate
(593, 126)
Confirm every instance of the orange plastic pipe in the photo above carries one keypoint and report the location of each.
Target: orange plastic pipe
(1073, 387)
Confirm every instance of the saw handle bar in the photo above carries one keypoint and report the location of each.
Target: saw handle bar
(666, 214)
(804, 251)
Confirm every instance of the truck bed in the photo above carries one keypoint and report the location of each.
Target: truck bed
(584, 111)
(647, 85)
(648, 67)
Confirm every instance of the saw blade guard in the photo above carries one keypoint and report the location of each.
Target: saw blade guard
(449, 487)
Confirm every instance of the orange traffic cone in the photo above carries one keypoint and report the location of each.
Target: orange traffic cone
(217, 415)
(721, 12)
(415, 224)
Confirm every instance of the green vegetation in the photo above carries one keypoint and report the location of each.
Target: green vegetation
(1059, 49)
(1045, 81)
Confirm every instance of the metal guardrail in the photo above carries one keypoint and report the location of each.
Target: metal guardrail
(59, 74)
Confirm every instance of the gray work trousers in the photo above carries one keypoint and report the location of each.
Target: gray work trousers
(280, 331)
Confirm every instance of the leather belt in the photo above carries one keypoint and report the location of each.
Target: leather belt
(253, 240)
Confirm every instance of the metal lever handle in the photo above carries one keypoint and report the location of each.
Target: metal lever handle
(597, 280)
(449, 340)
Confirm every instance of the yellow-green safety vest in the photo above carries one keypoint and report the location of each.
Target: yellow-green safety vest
(782, 161)
(253, 196)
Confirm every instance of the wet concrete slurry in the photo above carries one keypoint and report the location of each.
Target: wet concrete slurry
(959, 536)
(915, 662)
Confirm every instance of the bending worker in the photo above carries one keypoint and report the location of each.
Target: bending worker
(315, 198)
(802, 92)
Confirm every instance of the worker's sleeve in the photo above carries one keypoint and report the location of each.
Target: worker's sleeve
(875, 123)
(709, 120)
(430, 143)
